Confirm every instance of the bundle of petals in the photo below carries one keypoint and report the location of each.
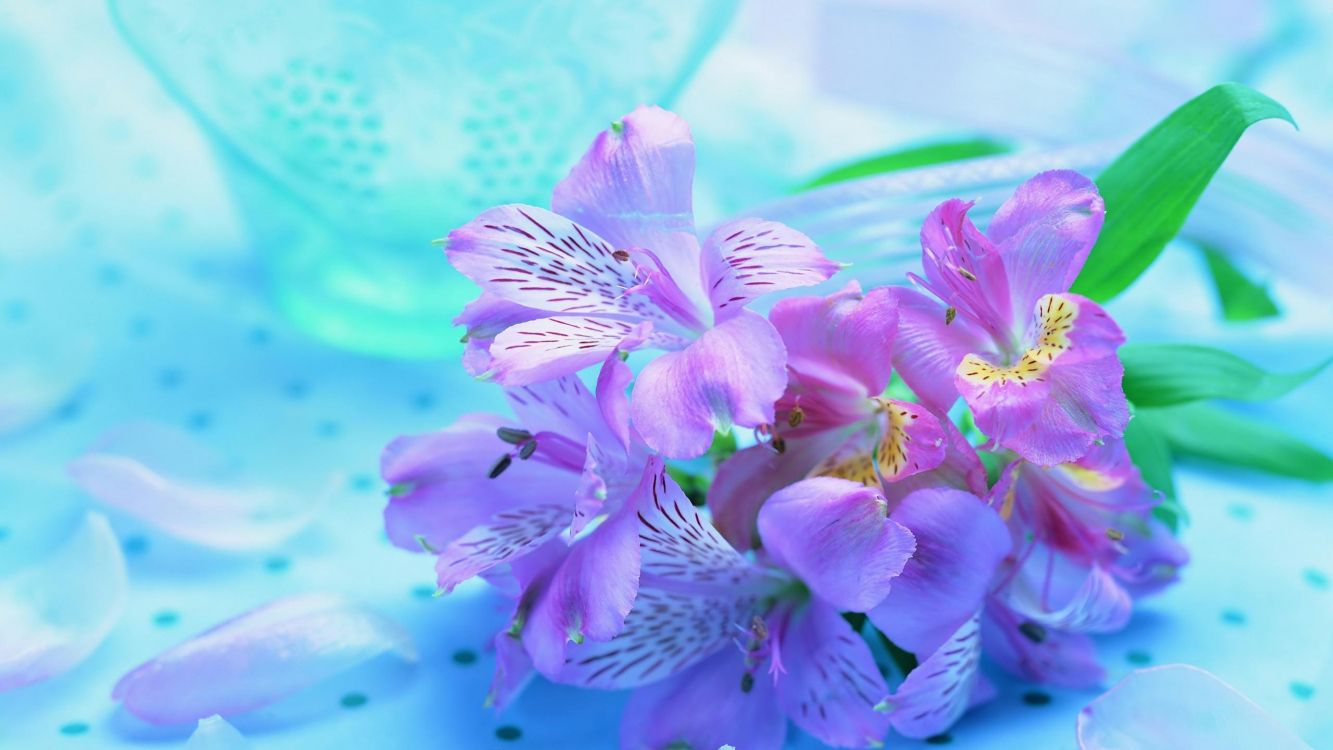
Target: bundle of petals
(854, 566)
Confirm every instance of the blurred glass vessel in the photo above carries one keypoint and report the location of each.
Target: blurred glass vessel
(355, 132)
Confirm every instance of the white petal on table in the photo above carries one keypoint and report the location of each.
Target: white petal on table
(57, 612)
(258, 658)
(172, 480)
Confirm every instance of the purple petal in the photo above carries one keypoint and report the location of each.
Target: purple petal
(913, 441)
(57, 612)
(941, 688)
(564, 407)
(259, 657)
(961, 469)
(1064, 393)
(442, 487)
(964, 269)
(549, 348)
(168, 478)
(927, 350)
(749, 258)
(959, 543)
(835, 535)
(1152, 560)
(488, 314)
(831, 685)
(1044, 233)
(633, 187)
(749, 476)
(731, 375)
(506, 535)
(531, 257)
(612, 399)
(1179, 706)
(214, 733)
(1053, 591)
(1038, 654)
(705, 707)
(513, 671)
(838, 350)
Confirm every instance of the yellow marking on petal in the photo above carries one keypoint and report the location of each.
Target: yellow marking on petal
(891, 455)
(857, 466)
(1089, 479)
(1055, 320)
(1007, 506)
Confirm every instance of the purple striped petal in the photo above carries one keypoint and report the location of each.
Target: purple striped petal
(1179, 706)
(928, 349)
(730, 376)
(912, 441)
(831, 686)
(259, 657)
(941, 688)
(1045, 232)
(964, 269)
(167, 477)
(959, 543)
(58, 611)
(748, 258)
(548, 348)
(705, 707)
(633, 187)
(506, 535)
(961, 469)
(1038, 654)
(835, 535)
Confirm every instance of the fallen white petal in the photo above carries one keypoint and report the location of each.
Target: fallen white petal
(171, 480)
(58, 611)
(214, 733)
(1179, 706)
(259, 657)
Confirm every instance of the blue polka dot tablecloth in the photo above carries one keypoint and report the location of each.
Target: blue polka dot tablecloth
(124, 269)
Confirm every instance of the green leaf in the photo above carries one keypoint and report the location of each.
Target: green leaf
(1168, 374)
(910, 158)
(1211, 433)
(1240, 298)
(1153, 185)
(1148, 448)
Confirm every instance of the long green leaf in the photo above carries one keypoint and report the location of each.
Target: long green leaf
(1152, 186)
(1168, 374)
(910, 158)
(1240, 298)
(1148, 448)
(1211, 433)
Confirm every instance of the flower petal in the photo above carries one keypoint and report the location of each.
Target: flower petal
(441, 486)
(506, 535)
(731, 375)
(835, 535)
(633, 187)
(548, 348)
(1038, 654)
(168, 478)
(928, 349)
(513, 671)
(705, 707)
(748, 477)
(959, 543)
(839, 350)
(1064, 393)
(531, 257)
(831, 685)
(1179, 706)
(57, 612)
(749, 258)
(964, 269)
(214, 733)
(1044, 233)
(1051, 590)
(912, 441)
(960, 469)
(940, 690)
(259, 657)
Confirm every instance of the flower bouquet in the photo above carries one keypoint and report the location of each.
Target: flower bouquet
(833, 514)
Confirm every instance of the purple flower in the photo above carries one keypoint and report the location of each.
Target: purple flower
(1085, 545)
(723, 649)
(616, 264)
(488, 489)
(1037, 365)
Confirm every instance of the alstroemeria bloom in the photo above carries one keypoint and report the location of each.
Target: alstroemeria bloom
(1036, 364)
(616, 264)
(489, 489)
(723, 649)
(1085, 544)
